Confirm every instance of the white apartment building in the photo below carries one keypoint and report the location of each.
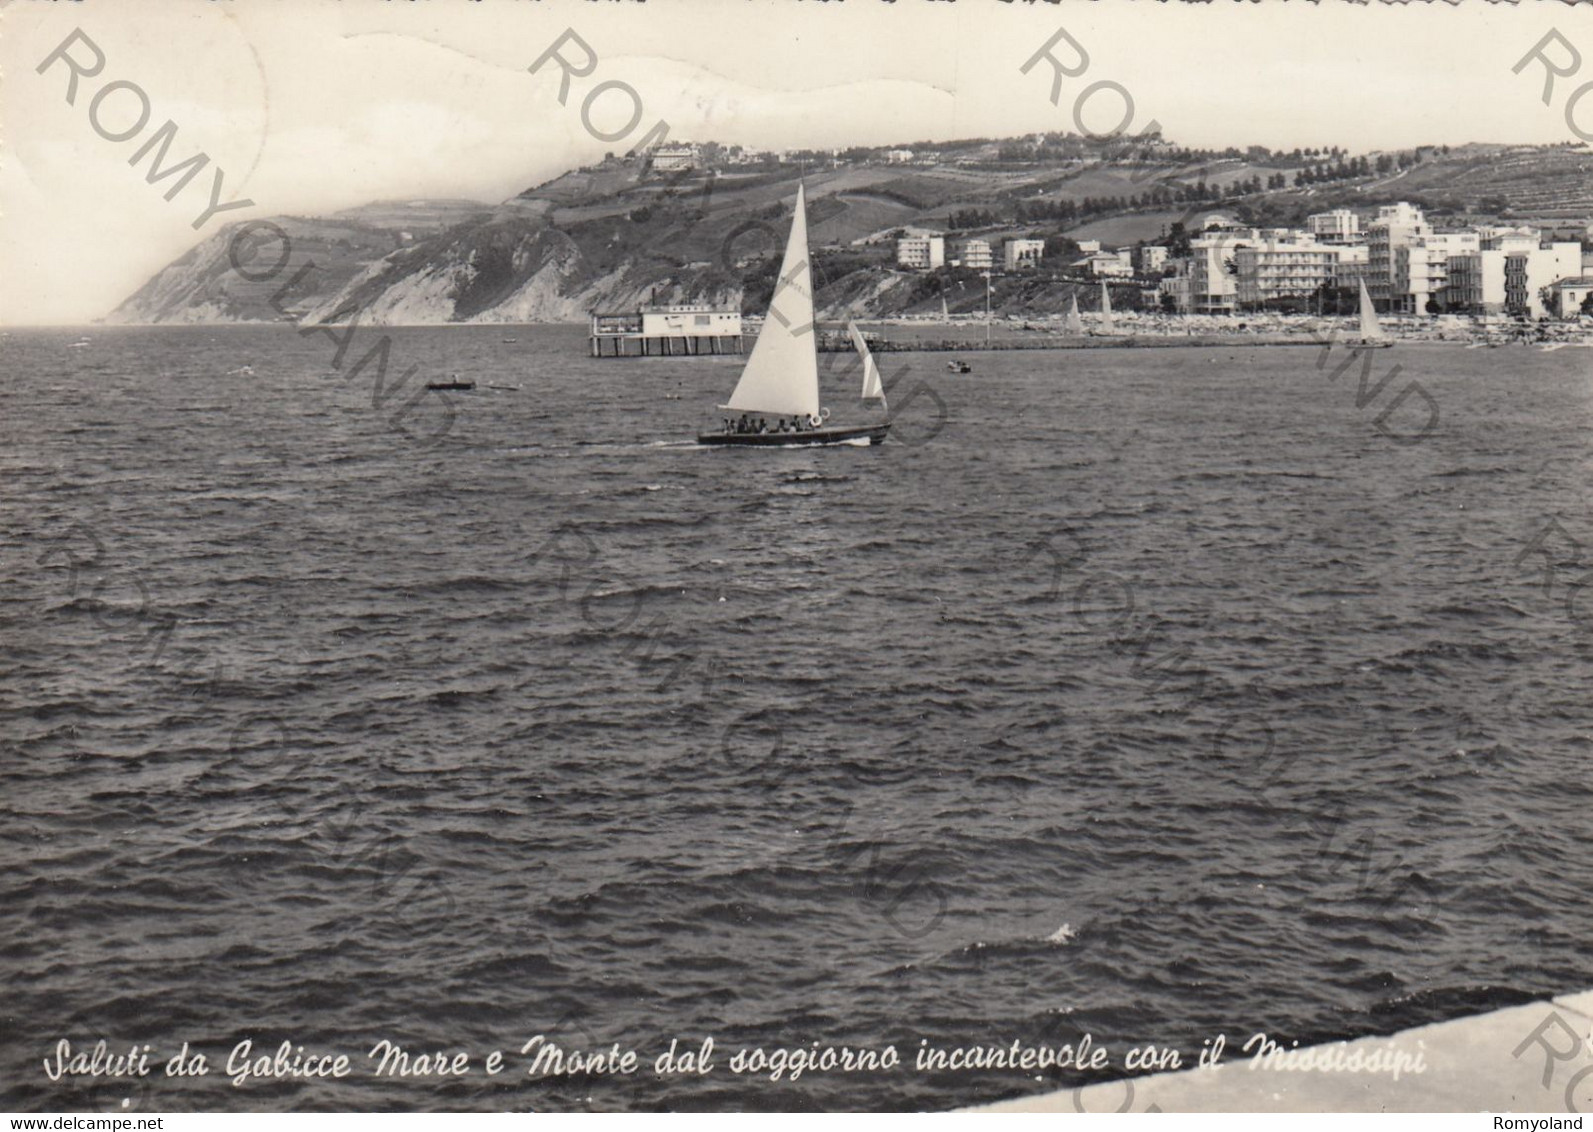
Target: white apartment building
(1150, 259)
(1281, 264)
(1341, 226)
(976, 254)
(1511, 274)
(1017, 254)
(1352, 265)
(1395, 226)
(1529, 276)
(1213, 287)
(1119, 265)
(1421, 269)
(921, 253)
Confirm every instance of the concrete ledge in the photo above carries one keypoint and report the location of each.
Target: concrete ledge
(1534, 1058)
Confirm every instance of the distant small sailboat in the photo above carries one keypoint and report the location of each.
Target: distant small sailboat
(1073, 324)
(1107, 325)
(873, 387)
(778, 394)
(1371, 331)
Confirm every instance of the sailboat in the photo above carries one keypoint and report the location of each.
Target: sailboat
(1372, 335)
(1073, 324)
(1107, 326)
(777, 398)
(873, 387)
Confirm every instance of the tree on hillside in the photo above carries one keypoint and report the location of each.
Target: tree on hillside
(1060, 247)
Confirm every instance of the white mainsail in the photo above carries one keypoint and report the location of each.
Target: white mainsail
(1370, 327)
(1074, 324)
(782, 375)
(1106, 311)
(873, 387)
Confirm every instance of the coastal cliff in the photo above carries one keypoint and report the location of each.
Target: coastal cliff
(620, 235)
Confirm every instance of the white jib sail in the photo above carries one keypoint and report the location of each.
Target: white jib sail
(782, 375)
(1106, 310)
(1369, 323)
(1074, 324)
(873, 387)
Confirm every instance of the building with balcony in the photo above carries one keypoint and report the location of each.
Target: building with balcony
(1395, 226)
(1531, 275)
(1341, 226)
(1351, 268)
(921, 253)
(1511, 274)
(1421, 269)
(1213, 273)
(975, 254)
(1281, 267)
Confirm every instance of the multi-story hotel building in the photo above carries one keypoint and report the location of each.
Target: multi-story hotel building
(1511, 273)
(1213, 284)
(1352, 266)
(1421, 269)
(1341, 226)
(976, 254)
(1281, 264)
(921, 253)
(1529, 275)
(1395, 226)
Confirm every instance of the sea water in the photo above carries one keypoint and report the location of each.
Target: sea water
(1136, 695)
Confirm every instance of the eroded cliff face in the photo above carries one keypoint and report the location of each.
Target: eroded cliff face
(504, 266)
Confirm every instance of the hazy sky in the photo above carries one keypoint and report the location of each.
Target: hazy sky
(315, 105)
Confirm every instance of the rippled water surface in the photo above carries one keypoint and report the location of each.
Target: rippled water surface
(565, 725)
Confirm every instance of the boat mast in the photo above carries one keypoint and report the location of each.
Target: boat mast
(987, 309)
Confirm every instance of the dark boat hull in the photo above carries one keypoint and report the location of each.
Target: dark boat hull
(808, 438)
